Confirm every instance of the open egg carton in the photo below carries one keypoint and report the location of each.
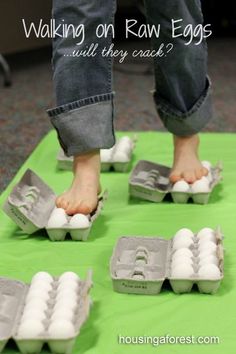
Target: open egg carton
(31, 205)
(50, 310)
(150, 181)
(140, 265)
(118, 158)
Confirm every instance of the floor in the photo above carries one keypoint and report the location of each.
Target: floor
(23, 121)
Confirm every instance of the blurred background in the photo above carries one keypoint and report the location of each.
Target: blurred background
(28, 91)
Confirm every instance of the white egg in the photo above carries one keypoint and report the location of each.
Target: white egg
(33, 314)
(106, 155)
(66, 293)
(211, 259)
(201, 186)
(181, 186)
(124, 148)
(40, 286)
(182, 252)
(206, 253)
(206, 233)
(183, 271)
(184, 233)
(209, 271)
(79, 221)
(182, 243)
(181, 261)
(63, 314)
(207, 165)
(39, 304)
(66, 303)
(211, 246)
(124, 144)
(71, 285)
(42, 277)
(30, 329)
(125, 140)
(204, 178)
(68, 276)
(120, 156)
(61, 329)
(57, 219)
(207, 238)
(34, 294)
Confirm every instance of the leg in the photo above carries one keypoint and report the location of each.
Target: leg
(83, 117)
(182, 88)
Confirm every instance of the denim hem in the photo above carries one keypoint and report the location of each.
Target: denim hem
(186, 123)
(80, 103)
(85, 128)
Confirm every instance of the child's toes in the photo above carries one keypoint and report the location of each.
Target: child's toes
(79, 208)
(61, 202)
(72, 208)
(175, 176)
(189, 176)
(85, 208)
(198, 173)
(204, 171)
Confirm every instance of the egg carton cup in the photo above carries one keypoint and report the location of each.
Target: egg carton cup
(31, 203)
(140, 265)
(150, 181)
(13, 295)
(111, 159)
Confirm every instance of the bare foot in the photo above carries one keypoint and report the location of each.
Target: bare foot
(187, 165)
(82, 197)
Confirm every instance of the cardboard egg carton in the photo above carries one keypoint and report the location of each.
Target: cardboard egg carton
(118, 158)
(150, 181)
(13, 307)
(32, 202)
(140, 265)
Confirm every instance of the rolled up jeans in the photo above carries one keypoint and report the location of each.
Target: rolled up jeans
(84, 113)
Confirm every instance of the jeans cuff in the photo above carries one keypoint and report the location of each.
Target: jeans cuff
(84, 125)
(188, 123)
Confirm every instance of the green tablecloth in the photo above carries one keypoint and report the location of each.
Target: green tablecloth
(116, 314)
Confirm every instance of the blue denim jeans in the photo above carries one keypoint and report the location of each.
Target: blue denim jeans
(83, 117)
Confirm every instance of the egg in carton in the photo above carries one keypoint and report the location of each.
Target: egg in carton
(49, 310)
(140, 265)
(150, 181)
(117, 158)
(31, 205)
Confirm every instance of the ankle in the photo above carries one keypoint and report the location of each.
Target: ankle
(87, 160)
(186, 140)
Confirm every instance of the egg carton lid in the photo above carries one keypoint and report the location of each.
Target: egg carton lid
(12, 299)
(43, 201)
(140, 174)
(162, 248)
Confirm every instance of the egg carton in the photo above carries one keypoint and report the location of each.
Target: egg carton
(140, 265)
(31, 205)
(42, 313)
(118, 158)
(150, 181)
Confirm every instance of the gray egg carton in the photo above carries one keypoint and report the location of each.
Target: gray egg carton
(13, 295)
(140, 265)
(31, 203)
(150, 181)
(66, 163)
